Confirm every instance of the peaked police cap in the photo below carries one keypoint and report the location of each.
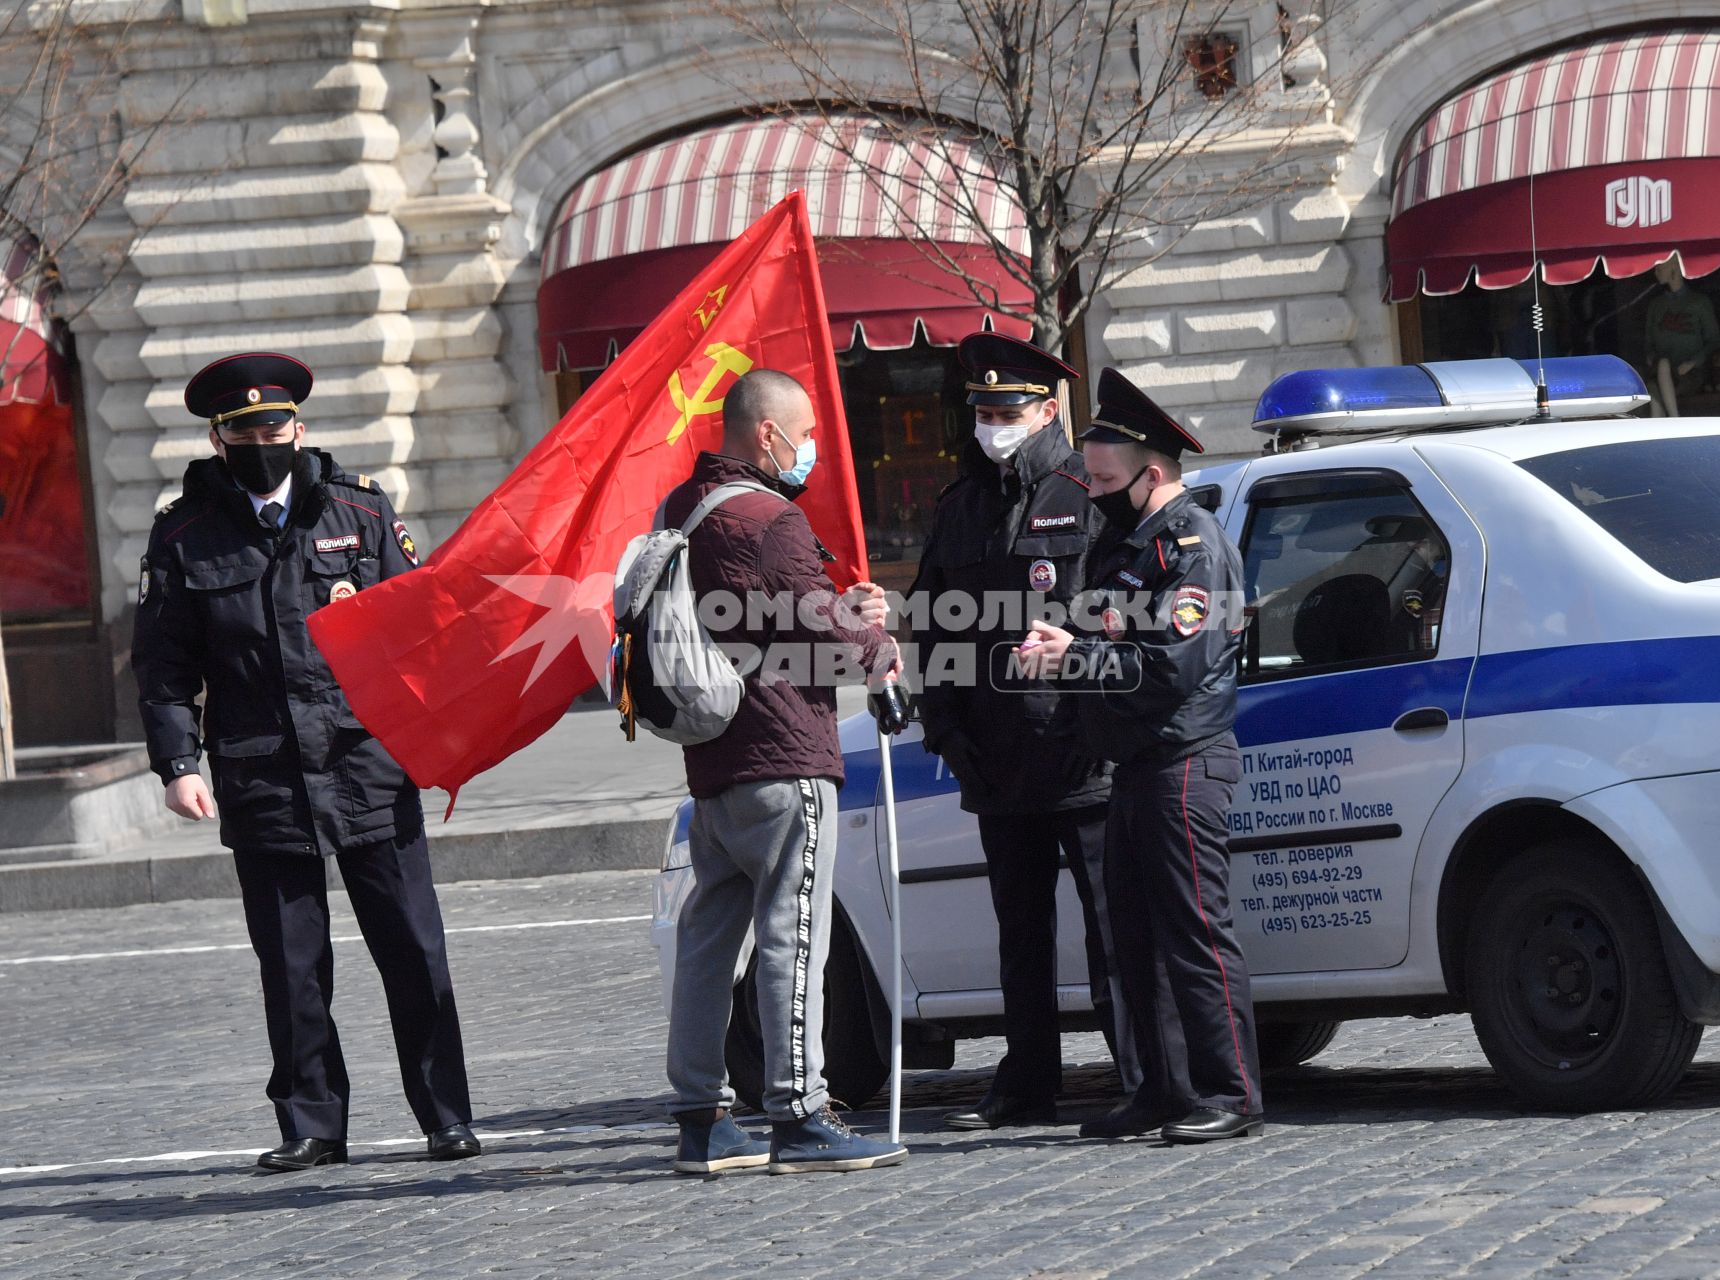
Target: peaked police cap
(1004, 371)
(253, 389)
(1125, 415)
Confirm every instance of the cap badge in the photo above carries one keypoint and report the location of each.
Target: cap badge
(253, 396)
(991, 377)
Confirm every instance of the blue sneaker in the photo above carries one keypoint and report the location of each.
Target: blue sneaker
(822, 1143)
(718, 1147)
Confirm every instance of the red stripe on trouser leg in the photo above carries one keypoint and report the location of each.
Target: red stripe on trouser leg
(1212, 943)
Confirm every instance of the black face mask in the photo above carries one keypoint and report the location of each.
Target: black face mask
(261, 468)
(1116, 507)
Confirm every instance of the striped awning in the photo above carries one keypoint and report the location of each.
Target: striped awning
(626, 239)
(1617, 136)
(33, 367)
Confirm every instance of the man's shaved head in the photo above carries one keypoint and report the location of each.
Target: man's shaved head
(763, 394)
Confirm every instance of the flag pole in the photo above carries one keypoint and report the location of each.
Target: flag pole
(895, 937)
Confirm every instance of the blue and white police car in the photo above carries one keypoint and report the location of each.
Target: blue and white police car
(1480, 723)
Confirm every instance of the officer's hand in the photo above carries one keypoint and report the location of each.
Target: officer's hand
(1041, 653)
(866, 602)
(189, 797)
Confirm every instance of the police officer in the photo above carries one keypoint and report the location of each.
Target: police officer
(1154, 689)
(1015, 527)
(266, 532)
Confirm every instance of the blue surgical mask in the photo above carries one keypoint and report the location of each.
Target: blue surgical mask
(805, 454)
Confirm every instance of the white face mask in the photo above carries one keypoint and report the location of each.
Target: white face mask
(1000, 443)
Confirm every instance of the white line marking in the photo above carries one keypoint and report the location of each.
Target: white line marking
(246, 946)
(171, 1157)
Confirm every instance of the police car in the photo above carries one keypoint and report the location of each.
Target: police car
(1480, 723)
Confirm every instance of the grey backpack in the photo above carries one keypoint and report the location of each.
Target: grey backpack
(667, 673)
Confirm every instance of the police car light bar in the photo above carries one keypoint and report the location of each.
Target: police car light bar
(1445, 393)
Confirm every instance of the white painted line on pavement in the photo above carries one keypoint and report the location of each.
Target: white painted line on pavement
(181, 1157)
(246, 946)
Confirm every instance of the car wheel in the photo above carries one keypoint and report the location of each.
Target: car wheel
(1290, 1044)
(853, 1068)
(1568, 987)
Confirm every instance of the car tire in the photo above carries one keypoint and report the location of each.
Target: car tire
(853, 1068)
(1289, 1044)
(1568, 985)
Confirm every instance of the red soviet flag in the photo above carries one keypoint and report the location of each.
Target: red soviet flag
(458, 665)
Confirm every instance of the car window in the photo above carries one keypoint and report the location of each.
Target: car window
(1334, 582)
(1657, 497)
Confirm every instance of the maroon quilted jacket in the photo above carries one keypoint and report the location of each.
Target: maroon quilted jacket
(759, 543)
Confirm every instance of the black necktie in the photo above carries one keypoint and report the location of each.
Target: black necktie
(270, 516)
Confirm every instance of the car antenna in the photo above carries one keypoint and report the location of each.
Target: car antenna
(1543, 405)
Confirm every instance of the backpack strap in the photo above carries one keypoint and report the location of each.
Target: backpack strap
(721, 494)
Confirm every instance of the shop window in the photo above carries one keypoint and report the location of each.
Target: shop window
(1643, 319)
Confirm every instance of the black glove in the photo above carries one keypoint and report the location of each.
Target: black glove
(962, 757)
(889, 707)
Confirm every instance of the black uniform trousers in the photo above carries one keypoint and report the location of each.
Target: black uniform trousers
(1021, 857)
(286, 911)
(1167, 872)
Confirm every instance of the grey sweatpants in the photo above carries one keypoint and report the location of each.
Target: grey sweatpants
(761, 854)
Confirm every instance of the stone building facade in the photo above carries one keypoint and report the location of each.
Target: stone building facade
(369, 186)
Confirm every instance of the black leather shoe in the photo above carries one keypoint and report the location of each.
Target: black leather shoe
(996, 1113)
(1209, 1124)
(303, 1153)
(456, 1142)
(1127, 1120)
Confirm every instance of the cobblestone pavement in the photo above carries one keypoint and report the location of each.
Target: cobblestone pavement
(131, 1107)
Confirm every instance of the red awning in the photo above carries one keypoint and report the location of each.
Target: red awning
(1621, 137)
(629, 238)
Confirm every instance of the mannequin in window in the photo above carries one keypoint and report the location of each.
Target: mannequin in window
(1680, 336)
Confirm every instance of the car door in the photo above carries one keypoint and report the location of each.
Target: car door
(1363, 586)
(949, 931)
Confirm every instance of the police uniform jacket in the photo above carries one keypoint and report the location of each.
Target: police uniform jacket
(1023, 531)
(1153, 672)
(222, 608)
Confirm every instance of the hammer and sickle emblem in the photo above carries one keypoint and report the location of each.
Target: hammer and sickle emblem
(724, 359)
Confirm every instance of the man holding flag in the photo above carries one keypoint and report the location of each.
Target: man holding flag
(764, 796)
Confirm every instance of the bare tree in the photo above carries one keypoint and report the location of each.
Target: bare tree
(1114, 125)
(64, 158)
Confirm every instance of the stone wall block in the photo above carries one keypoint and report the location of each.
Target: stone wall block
(1321, 215)
(460, 486)
(465, 334)
(1206, 330)
(1246, 231)
(118, 356)
(1177, 383)
(261, 297)
(260, 195)
(454, 280)
(1324, 318)
(481, 433)
(230, 145)
(462, 385)
(130, 458)
(1136, 337)
(1290, 360)
(175, 354)
(313, 243)
(124, 406)
(1246, 277)
(245, 84)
